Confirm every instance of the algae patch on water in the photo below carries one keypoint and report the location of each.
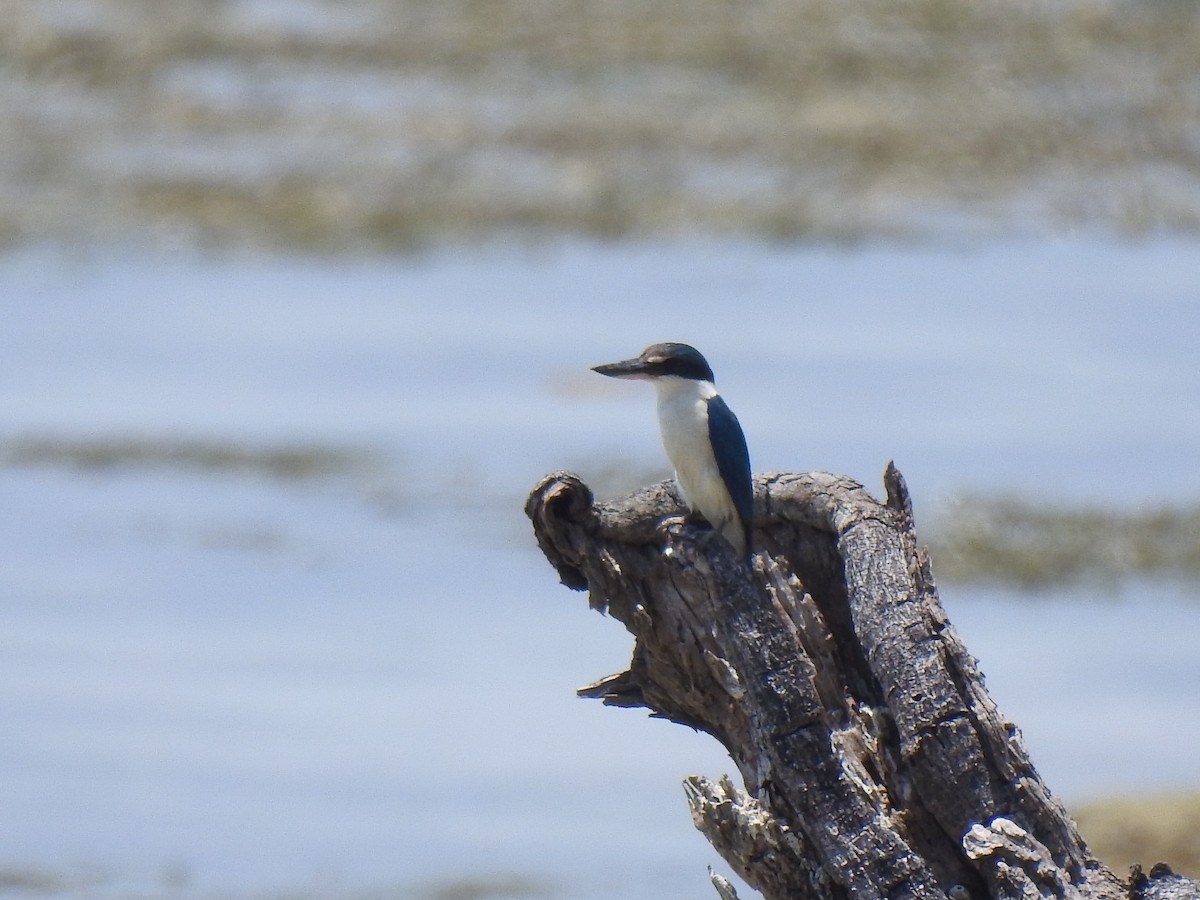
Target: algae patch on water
(292, 462)
(1031, 545)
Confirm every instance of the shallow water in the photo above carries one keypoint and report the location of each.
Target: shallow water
(229, 681)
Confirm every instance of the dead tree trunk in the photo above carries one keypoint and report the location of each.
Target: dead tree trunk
(874, 762)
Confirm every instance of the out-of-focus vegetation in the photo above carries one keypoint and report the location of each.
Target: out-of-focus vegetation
(1040, 546)
(491, 889)
(1145, 831)
(286, 462)
(375, 124)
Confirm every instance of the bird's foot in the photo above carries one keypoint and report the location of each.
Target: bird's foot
(675, 521)
(705, 533)
(692, 520)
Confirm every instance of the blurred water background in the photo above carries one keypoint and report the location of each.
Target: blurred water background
(299, 301)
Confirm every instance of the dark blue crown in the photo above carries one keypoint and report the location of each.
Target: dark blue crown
(682, 360)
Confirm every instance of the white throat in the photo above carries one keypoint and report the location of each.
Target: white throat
(672, 389)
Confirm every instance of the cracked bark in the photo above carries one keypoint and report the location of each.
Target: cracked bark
(874, 763)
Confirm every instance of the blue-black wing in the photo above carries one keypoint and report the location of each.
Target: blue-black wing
(733, 459)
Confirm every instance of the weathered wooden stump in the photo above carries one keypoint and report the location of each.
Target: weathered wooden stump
(874, 763)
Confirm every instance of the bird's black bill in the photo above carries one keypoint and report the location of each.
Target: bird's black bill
(626, 368)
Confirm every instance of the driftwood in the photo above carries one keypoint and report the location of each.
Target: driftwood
(873, 761)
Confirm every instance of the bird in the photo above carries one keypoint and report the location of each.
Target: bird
(701, 435)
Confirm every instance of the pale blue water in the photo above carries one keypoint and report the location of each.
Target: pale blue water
(217, 684)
